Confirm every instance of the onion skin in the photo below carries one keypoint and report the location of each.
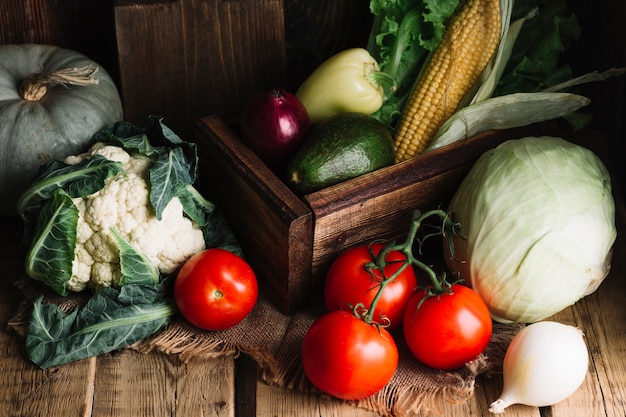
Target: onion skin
(273, 124)
(545, 363)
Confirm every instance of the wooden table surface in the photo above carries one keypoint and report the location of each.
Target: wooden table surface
(127, 383)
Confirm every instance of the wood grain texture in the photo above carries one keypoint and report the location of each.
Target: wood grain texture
(155, 385)
(185, 59)
(380, 204)
(25, 388)
(292, 239)
(36, 21)
(286, 403)
(315, 30)
(171, 387)
(274, 227)
(85, 26)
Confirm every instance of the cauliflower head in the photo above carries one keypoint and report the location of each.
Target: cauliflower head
(123, 204)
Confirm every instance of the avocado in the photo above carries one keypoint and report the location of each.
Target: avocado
(339, 148)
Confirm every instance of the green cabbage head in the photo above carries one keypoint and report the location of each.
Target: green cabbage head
(538, 224)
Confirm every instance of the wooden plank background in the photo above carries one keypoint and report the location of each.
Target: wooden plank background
(184, 59)
(83, 25)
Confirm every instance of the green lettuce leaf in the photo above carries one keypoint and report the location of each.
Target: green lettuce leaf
(437, 14)
(403, 33)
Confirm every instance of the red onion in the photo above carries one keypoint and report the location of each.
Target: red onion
(273, 124)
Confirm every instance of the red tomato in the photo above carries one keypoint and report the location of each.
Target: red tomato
(348, 283)
(449, 330)
(348, 358)
(215, 289)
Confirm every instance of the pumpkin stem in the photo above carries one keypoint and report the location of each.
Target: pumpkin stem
(35, 86)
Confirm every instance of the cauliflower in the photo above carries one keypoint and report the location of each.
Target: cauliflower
(124, 212)
(124, 204)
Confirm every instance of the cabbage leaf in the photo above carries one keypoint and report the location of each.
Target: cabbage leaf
(77, 180)
(110, 320)
(136, 268)
(538, 227)
(52, 251)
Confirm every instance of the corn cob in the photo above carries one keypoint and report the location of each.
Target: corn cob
(467, 46)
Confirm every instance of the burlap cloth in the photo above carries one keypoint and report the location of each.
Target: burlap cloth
(274, 340)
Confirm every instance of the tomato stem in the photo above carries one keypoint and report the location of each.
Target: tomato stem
(438, 284)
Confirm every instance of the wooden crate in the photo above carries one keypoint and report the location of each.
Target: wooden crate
(291, 240)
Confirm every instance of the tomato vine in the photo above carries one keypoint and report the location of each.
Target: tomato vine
(438, 284)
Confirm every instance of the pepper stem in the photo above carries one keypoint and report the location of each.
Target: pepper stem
(438, 285)
(386, 81)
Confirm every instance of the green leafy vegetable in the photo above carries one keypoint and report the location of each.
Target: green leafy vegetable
(129, 137)
(110, 320)
(207, 215)
(175, 168)
(175, 165)
(538, 225)
(536, 59)
(404, 32)
(402, 35)
(145, 140)
(195, 205)
(77, 180)
(135, 267)
(129, 303)
(52, 252)
(170, 173)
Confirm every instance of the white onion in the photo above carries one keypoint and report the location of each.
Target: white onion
(545, 363)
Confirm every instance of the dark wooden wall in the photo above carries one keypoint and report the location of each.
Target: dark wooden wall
(83, 25)
(183, 59)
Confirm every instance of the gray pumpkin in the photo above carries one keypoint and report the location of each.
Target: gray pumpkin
(58, 117)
